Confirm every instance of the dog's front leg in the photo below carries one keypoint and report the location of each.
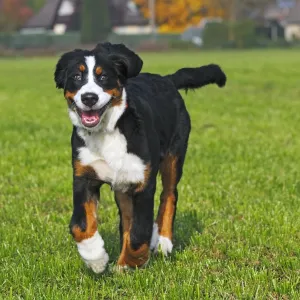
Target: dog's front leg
(83, 224)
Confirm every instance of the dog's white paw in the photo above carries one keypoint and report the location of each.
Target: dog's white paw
(93, 253)
(164, 245)
(98, 266)
(160, 243)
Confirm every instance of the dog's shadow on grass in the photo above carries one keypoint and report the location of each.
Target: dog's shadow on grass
(187, 224)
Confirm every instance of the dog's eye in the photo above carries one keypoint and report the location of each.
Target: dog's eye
(78, 77)
(103, 77)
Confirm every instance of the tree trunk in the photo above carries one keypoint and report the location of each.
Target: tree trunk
(232, 19)
(95, 21)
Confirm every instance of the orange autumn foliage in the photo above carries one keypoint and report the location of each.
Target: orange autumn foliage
(176, 15)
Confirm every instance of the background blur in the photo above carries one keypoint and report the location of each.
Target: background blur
(45, 26)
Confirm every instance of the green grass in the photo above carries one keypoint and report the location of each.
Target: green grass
(237, 231)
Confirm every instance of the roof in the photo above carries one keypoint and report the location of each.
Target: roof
(286, 3)
(122, 12)
(286, 12)
(45, 18)
(294, 15)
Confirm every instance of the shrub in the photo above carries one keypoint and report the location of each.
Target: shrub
(230, 35)
(244, 34)
(215, 35)
(95, 21)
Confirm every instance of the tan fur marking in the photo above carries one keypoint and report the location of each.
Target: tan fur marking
(70, 96)
(98, 70)
(166, 222)
(116, 93)
(125, 205)
(91, 223)
(129, 257)
(167, 200)
(141, 186)
(116, 102)
(81, 170)
(82, 68)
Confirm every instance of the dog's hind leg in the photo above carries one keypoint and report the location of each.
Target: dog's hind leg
(136, 221)
(171, 172)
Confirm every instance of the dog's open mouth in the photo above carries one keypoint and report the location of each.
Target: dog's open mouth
(91, 118)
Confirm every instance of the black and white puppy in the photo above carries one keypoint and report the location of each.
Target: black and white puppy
(127, 127)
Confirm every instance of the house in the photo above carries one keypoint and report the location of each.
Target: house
(44, 20)
(292, 26)
(61, 16)
(283, 20)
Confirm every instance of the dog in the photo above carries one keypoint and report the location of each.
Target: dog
(127, 127)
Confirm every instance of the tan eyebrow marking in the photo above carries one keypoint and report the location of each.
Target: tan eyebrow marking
(82, 68)
(98, 70)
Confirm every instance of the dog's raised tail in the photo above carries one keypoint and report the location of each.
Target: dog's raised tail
(193, 78)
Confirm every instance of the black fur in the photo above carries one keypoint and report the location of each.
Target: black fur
(156, 125)
(192, 78)
(65, 64)
(127, 62)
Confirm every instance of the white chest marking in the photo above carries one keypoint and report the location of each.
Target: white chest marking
(107, 153)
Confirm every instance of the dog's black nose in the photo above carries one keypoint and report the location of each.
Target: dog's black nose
(89, 99)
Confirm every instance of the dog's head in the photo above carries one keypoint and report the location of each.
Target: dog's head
(93, 80)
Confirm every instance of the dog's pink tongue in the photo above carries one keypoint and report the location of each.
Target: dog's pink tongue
(90, 118)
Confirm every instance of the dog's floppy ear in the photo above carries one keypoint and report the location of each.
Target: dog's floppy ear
(128, 64)
(60, 74)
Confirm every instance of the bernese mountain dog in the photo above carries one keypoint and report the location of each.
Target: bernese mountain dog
(128, 127)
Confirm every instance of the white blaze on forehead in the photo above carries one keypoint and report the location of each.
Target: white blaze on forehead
(91, 87)
(91, 63)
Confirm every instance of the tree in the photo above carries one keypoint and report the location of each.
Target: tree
(240, 10)
(13, 14)
(177, 14)
(95, 21)
(36, 5)
(237, 10)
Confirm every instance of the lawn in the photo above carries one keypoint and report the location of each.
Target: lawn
(237, 231)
